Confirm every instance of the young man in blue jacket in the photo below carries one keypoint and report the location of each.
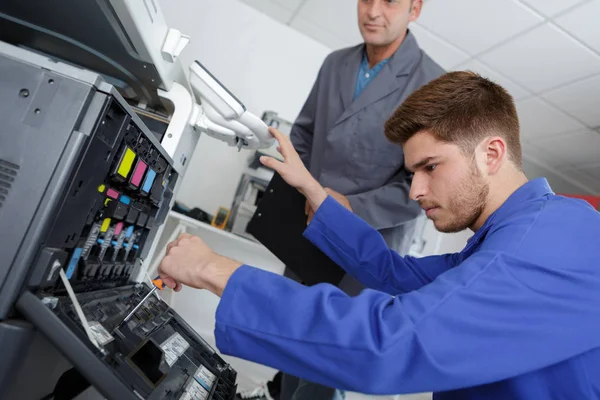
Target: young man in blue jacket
(514, 315)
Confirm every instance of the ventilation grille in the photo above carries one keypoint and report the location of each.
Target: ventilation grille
(8, 174)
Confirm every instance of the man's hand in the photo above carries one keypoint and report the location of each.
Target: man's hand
(189, 261)
(293, 171)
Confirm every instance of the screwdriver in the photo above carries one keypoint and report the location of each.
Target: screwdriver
(158, 285)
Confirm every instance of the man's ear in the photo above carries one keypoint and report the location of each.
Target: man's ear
(495, 151)
(415, 10)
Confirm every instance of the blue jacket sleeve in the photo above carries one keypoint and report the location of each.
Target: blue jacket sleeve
(492, 318)
(362, 252)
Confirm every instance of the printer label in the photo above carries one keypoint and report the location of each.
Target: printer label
(174, 347)
(194, 391)
(205, 378)
(99, 333)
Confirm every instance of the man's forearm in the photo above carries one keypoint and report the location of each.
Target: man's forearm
(216, 275)
(315, 194)
(360, 250)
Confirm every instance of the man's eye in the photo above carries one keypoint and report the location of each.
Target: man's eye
(431, 167)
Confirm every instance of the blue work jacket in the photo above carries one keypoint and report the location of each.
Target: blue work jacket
(514, 315)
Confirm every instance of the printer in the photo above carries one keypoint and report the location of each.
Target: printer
(98, 122)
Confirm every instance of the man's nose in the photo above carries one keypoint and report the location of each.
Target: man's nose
(374, 9)
(418, 187)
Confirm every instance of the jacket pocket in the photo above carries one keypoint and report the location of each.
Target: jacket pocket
(379, 164)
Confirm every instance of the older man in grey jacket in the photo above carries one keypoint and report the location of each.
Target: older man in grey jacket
(339, 134)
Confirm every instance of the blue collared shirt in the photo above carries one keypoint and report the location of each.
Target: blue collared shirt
(514, 315)
(366, 74)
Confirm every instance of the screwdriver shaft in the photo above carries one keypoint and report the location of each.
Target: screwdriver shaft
(138, 305)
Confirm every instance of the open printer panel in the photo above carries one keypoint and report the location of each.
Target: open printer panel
(84, 185)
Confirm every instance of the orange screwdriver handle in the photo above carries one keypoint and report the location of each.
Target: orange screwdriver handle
(158, 283)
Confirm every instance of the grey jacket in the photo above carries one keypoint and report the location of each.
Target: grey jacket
(342, 142)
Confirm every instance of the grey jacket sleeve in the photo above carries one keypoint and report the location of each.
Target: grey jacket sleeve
(303, 128)
(387, 206)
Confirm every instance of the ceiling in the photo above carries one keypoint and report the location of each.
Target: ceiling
(546, 53)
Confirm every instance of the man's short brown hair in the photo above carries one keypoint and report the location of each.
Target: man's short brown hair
(462, 108)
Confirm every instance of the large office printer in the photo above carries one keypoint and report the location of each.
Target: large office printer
(98, 122)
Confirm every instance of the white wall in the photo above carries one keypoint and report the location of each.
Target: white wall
(558, 184)
(266, 64)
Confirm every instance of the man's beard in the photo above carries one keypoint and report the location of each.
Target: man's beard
(466, 203)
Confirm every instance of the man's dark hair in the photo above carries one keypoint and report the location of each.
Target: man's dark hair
(459, 107)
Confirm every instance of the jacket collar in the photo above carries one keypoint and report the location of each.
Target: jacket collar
(404, 60)
(402, 63)
(532, 190)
